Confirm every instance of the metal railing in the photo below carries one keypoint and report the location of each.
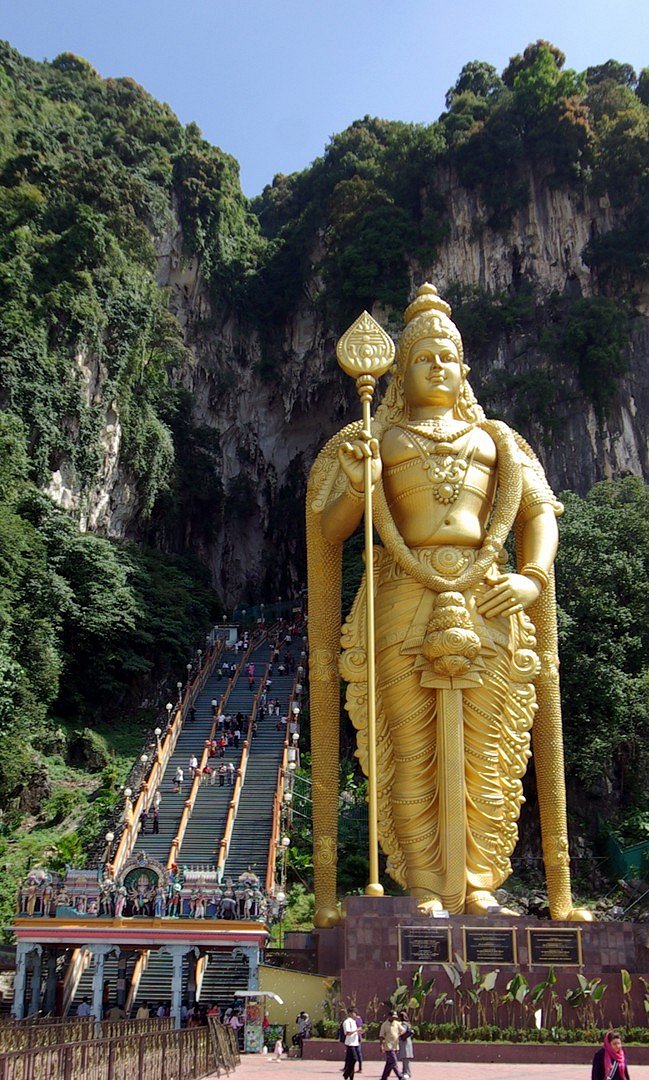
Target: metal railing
(38, 1031)
(278, 798)
(162, 1055)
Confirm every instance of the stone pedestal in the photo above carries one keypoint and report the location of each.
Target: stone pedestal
(385, 938)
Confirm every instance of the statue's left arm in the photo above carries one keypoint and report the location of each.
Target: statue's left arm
(538, 540)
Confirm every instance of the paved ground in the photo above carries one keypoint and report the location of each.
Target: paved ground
(256, 1067)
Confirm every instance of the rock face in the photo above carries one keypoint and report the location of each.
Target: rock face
(268, 427)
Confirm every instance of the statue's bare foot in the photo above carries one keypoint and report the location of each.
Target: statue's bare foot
(581, 914)
(430, 905)
(482, 903)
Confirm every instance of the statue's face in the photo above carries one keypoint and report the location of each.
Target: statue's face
(434, 374)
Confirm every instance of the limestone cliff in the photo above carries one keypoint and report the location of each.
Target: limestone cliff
(269, 429)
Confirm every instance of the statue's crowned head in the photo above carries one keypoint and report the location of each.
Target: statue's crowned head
(428, 316)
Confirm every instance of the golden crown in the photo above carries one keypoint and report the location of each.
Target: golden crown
(428, 316)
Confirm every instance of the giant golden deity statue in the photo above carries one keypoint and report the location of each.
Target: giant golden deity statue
(465, 650)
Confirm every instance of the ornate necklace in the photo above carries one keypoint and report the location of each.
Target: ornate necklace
(438, 430)
(446, 472)
(510, 484)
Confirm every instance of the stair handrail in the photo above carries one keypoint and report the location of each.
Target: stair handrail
(139, 968)
(131, 831)
(224, 846)
(278, 799)
(201, 966)
(78, 964)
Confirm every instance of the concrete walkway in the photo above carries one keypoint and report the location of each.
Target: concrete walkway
(258, 1066)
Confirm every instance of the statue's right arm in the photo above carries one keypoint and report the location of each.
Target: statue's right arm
(341, 517)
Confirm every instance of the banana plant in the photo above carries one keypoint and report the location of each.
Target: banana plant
(627, 1004)
(516, 993)
(413, 997)
(545, 995)
(586, 996)
(454, 973)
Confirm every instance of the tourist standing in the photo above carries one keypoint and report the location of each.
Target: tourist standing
(609, 1062)
(389, 1034)
(406, 1052)
(352, 1040)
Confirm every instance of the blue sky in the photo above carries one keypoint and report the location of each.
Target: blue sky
(270, 81)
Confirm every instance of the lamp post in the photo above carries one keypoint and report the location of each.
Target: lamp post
(199, 653)
(288, 806)
(158, 732)
(169, 707)
(179, 688)
(110, 836)
(128, 807)
(281, 908)
(189, 673)
(285, 844)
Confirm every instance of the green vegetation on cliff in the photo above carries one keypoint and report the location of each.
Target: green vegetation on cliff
(88, 628)
(370, 209)
(89, 171)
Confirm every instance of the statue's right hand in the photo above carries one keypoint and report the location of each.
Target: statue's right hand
(352, 457)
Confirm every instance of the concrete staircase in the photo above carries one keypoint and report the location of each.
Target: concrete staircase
(226, 970)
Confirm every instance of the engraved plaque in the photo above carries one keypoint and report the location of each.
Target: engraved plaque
(424, 944)
(489, 944)
(554, 947)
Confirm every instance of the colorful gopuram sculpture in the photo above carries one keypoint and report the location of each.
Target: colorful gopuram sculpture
(465, 645)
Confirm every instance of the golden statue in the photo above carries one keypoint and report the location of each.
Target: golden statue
(465, 650)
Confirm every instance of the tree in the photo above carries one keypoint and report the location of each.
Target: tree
(530, 58)
(603, 589)
(476, 78)
(611, 71)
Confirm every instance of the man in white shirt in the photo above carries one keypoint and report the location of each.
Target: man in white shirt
(352, 1040)
(83, 1008)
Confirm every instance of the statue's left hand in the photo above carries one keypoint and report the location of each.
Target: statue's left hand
(509, 594)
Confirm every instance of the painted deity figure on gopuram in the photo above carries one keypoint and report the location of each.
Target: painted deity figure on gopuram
(465, 648)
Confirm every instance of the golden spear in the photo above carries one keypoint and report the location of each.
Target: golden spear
(365, 352)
